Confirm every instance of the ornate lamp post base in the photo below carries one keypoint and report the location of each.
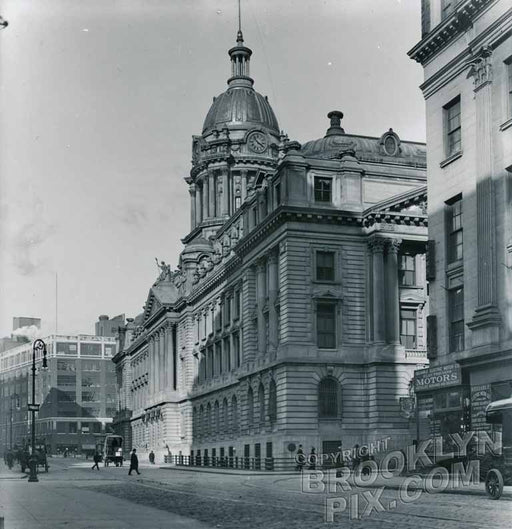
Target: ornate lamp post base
(33, 469)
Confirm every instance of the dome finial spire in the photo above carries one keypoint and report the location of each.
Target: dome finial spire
(240, 58)
(239, 35)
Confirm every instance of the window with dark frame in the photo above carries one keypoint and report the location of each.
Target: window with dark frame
(328, 390)
(453, 127)
(278, 194)
(326, 325)
(408, 332)
(323, 189)
(325, 266)
(407, 270)
(454, 228)
(456, 315)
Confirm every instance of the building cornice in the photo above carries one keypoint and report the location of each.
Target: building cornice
(454, 25)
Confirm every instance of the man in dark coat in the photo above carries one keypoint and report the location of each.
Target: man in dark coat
(97, 459)
(134, 463)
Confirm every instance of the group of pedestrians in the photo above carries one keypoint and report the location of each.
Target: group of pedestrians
(134, 461)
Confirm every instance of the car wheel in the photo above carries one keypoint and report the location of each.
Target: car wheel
(494, 483)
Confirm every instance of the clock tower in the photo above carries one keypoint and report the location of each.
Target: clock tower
(236, 154)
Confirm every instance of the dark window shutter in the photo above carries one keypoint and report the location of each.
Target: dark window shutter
(432, 337)
(425, 17)
(431, 260)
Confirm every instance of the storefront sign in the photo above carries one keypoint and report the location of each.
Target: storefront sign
(437, 377)
(480, 399)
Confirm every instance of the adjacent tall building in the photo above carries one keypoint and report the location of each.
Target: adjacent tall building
(77, 394)
(297, 312)
(466, 53)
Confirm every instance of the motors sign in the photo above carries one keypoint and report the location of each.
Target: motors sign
(437, 377)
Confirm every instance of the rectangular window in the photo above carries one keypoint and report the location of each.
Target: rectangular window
(66, 348)
(218, 359)
(90, 349)
(227, 355)
(407, 270)
(278, 194)
(454, 229)
(325, 266)
(323, 189)
(456, 316)
(237, 304)
(228, 310)
(236, 347)
(408, 328)
(453, 127)
(326, 325)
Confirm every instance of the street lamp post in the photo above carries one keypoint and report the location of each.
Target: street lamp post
(39, 346)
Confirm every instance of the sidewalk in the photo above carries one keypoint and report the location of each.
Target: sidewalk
(56, 505)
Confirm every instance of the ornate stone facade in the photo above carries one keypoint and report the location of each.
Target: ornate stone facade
(282, 322)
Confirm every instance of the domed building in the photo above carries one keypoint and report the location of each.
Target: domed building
(296, 314)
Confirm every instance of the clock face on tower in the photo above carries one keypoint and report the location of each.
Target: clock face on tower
(257, 142)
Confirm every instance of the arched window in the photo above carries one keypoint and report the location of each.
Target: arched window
(200, 422)
(328, 396)
(272, 401)
(225, 423)
(261, 403)
(208, 419)
(217, 417)
(250, 408)
(234, 413)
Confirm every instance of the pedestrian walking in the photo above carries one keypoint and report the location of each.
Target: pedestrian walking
(312, 459)
(152, 457)
(134, 463)
(300, 459)
(97, 459)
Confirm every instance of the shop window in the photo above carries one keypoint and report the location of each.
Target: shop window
(66, 348)
(90, 349)
(408, 334)
(325, 266)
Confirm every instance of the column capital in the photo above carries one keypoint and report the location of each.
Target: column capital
(393, 245)
(481, 67)
(377, 244)
(261, 265)
(272, 257)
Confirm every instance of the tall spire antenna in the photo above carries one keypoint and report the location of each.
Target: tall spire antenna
(239, 17)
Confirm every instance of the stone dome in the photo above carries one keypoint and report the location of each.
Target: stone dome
(240, 107)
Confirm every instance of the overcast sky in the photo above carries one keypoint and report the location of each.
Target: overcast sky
(98, 102)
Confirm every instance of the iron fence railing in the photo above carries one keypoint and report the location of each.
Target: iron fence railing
(234, 462)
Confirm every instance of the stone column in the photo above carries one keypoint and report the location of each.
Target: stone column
(377, 248)
(261, 299)
(192, 191)
(198, 204)
(206, 197)
(225, 193)
(243, 172)
(393, 292)
(211, 198)
(273, 287)
(157, 361)
(163, 359)
(170, 356)
(486, 320)
(152, 374)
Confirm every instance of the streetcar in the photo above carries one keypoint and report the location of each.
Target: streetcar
(498, 468)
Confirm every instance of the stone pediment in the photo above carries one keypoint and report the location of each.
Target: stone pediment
(410, 203)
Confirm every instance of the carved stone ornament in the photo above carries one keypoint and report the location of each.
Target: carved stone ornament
(481, 67)
(393, 245)
(377, 244)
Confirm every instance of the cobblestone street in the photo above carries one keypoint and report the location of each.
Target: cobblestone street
(163, 498)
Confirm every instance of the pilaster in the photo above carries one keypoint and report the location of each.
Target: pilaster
(486, 319)
(392, 291)
(377, 246)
